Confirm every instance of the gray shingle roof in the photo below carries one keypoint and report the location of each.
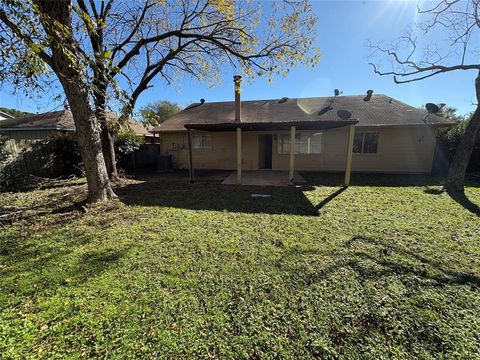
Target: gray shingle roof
(60, 120)
(381, 110)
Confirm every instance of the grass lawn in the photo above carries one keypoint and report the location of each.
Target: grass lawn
(388, 268)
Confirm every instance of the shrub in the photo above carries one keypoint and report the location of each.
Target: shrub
(67, 152)
(448, 140)
(126, 143)
(56, 157)
(3, 148)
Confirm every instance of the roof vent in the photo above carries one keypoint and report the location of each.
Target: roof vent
(283, 100)
(202, 101)
(369, 95)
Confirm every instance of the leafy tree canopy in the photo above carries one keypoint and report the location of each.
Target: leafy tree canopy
(127, 44)
(156, 113)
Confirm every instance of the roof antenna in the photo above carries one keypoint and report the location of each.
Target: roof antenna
(369, 95)
(329, 107)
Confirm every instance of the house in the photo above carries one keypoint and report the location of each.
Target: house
(4, 116)
(28, 129)
(373, 133)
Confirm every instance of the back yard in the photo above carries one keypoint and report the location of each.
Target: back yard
(388, 268)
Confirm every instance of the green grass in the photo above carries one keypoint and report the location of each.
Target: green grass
(388, 268)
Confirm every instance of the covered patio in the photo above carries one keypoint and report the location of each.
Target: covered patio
(275, 178)
(264, 178)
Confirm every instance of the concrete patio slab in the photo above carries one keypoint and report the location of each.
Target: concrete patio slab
(264, 178)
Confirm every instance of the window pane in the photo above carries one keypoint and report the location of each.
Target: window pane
(301, 144)
(197, 142)
(206, 142)
(286, 146)
(202, 141)
(304, 144)
(283, 144)
(298, 144)
(357, 143)
(316, 143)
(370, 143)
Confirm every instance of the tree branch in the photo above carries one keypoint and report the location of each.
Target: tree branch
(26, 39)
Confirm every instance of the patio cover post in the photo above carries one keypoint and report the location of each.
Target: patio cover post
(239, 155)
(190, 159)
(348, 160)
(292, 154)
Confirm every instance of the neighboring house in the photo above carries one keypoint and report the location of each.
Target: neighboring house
(23, 131)
(4, 116)
(386, 135)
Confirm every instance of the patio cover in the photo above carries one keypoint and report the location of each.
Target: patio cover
(264, 126)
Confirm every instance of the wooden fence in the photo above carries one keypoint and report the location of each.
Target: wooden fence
(39, 161)
(144, 157)
(43, 161)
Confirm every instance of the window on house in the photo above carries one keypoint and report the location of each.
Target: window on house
(316, 143)
(365, 143)
(203, 142)
(304, 143)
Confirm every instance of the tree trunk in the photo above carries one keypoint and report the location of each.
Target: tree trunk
(67, 64)
(88, 132)
(100, 97)
(456, 173)
(108, 149)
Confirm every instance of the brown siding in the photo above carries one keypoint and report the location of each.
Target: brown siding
(400, 149)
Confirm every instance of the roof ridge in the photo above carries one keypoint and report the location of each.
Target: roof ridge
(195, 104)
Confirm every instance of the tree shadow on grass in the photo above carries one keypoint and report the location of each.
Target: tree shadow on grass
(33, 267)
(459, 197)
(378, 179)
(415, 264)
(209, 194)
(374, 259)
(373, 287)
(463, 200)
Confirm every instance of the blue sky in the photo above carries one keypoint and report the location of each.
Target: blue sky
(344, 28)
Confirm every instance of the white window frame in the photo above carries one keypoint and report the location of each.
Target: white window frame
(303, 141)
(205, 142)
(321, 135)
(363, 133)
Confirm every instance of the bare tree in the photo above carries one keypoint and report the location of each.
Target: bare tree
(414, 57)
(114, 49)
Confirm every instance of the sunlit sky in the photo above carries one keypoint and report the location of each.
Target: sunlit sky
(344, 29)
